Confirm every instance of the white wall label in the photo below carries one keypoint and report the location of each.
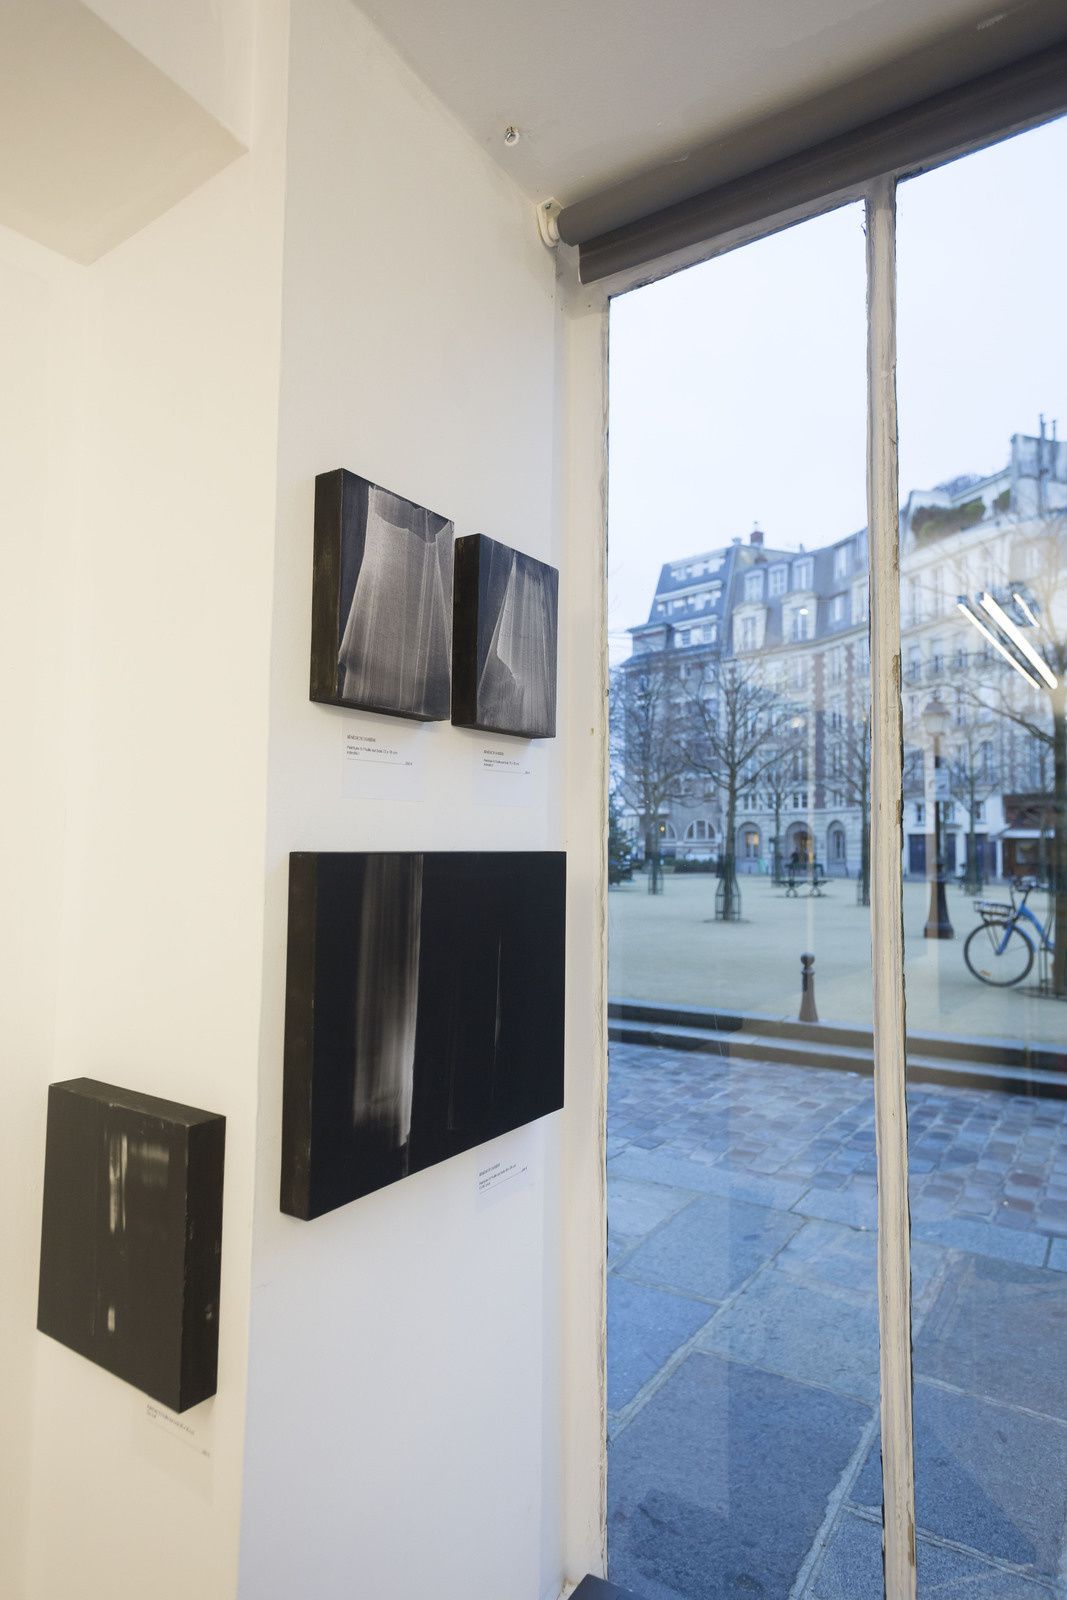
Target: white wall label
(508, 1172)
(508, 774)
(178, 1427)
(381, 764)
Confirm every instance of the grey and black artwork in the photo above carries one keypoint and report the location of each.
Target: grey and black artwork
(424, 1013)
(381, 614)
(504, 640)
(131, 1237)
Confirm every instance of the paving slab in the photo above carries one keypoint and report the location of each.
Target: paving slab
(987, 1477)
(833, 1254)
(804, 1331)
(854, 1207)
(852, 1570)
(1000, 1330)
(1057, 1256)
(645, 1328)
(719, 1485)
(710, 1247)
(657, 1166)
(636, 1208)
(983, 1238)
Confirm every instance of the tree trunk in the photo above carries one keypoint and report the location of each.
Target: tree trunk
(865, 858)
(728, 888)
(655, 871)
(1058, 875)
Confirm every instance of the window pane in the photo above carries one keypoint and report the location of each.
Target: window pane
(742, 1344)
(983, 352)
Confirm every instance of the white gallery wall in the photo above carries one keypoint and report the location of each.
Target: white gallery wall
(404, 1368)
(410, 1388)
(138, 569)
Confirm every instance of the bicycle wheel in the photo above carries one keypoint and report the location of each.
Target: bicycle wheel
(996, 959)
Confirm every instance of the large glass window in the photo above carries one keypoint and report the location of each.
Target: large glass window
(982, 380)
(742, 1344)
(746, 1452)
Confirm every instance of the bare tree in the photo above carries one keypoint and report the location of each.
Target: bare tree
(849, 762)
(649, 729)
(786, 749)
(730, 715)
(973, 775)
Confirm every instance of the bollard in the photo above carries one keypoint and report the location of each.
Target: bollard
(808, 1012)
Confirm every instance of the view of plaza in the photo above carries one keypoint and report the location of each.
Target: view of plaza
(743, 1334)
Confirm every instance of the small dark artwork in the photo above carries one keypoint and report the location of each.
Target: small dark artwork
(424, 1013)
(504, 640)
(381, 618)
(131, 1237)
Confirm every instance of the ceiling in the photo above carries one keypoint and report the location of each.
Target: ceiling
(601, 90)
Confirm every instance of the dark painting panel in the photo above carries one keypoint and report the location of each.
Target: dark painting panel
(131, 1237)
(504, 640)
(424, 1013)
(381, 621)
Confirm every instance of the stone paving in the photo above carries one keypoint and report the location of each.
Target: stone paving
(742, 1336)
(670, 948)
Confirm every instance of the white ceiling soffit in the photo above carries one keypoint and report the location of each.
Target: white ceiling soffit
(95, 141)
(603, 91)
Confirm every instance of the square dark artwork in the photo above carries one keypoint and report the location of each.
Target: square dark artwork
(131, 1237)
(381, 611)
(504, 640)
(423, 1015)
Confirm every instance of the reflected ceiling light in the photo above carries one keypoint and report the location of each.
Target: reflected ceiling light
(987, 633)
(1019, 639)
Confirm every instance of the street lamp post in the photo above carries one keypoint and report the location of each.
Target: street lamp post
(936, 723)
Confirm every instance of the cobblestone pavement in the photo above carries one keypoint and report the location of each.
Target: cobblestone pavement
(742, 1346)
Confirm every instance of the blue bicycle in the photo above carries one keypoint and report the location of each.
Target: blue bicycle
(1000, 951)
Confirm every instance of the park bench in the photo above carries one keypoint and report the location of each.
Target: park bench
(813, 873)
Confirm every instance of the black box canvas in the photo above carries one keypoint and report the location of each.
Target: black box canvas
(424, 1013)
(381, 614)
(504, 640)
(131, 1237)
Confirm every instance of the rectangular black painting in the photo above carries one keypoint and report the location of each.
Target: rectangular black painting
(131, 1237)
(504, 627)
(423, 1016)
(381, 611)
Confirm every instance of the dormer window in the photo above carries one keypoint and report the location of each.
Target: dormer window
(777, 579)
(842, 561)
(754, 586)
(802, 573)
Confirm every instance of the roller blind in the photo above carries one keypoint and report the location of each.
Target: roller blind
(629, 227)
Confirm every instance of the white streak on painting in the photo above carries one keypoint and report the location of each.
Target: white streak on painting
(517, 686)
(397, 640)
(117, 1163)
(151, 1163)
(387, 990)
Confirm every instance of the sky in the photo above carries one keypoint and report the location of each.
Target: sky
(738, 388)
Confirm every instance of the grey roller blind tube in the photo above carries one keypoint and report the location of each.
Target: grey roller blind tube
(909, 139)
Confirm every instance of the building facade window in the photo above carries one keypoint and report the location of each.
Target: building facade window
(754, 586)
(802, 573)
